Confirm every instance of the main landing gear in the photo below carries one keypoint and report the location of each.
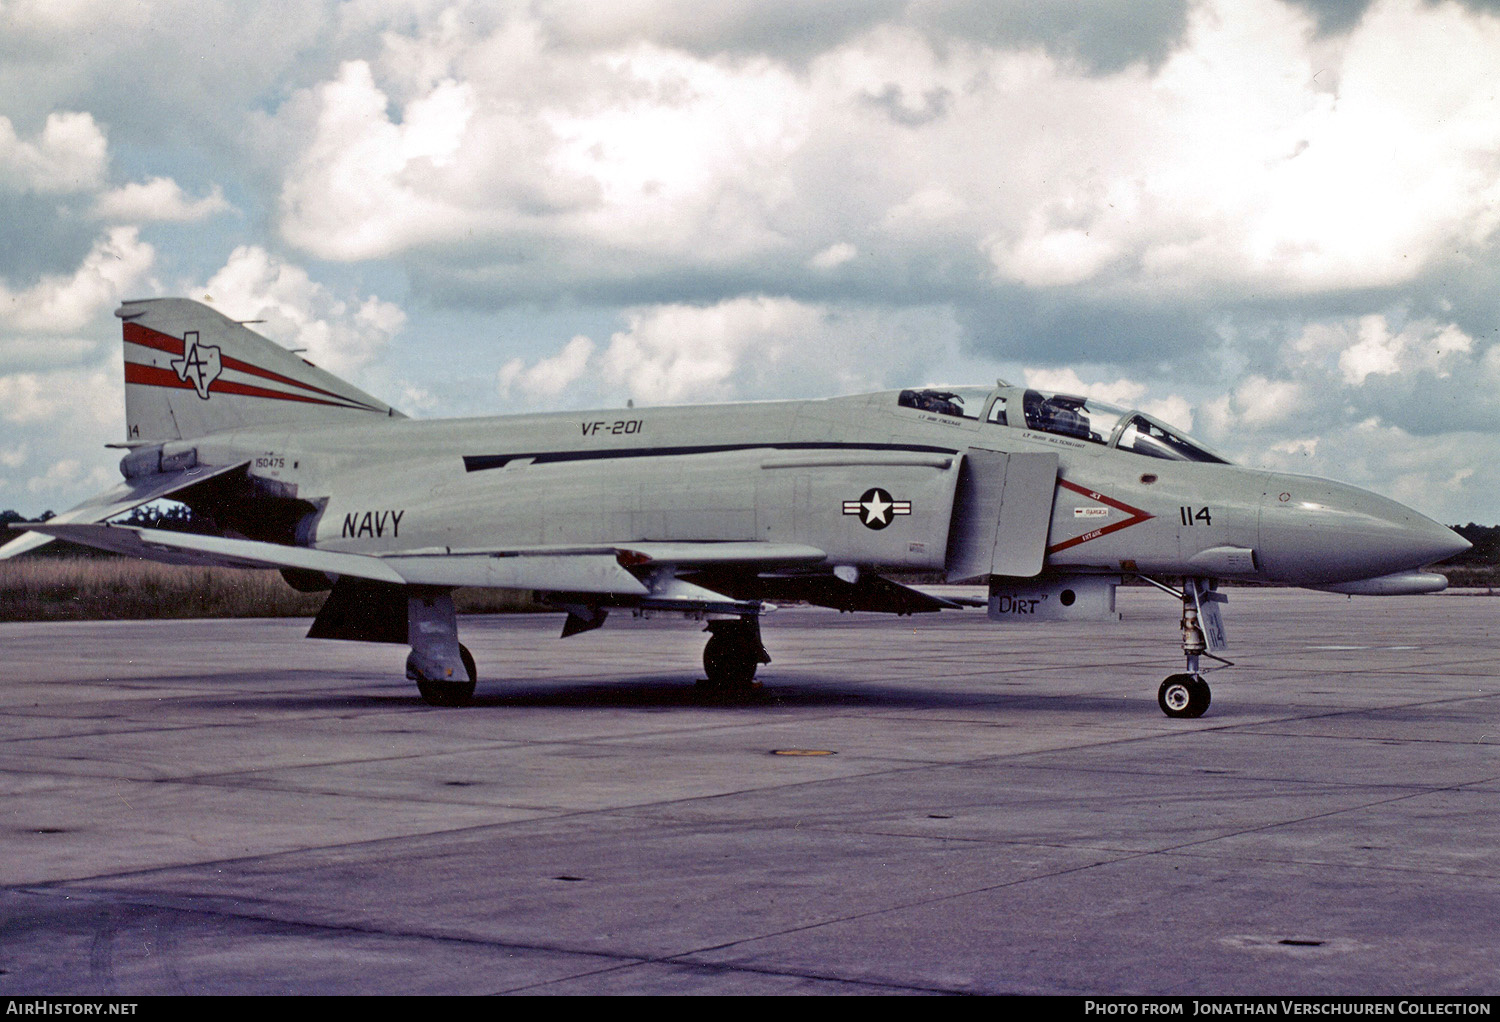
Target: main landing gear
(442, 667)
(733, 654)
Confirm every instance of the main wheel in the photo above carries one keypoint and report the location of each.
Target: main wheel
(452, 693)
(729, 661)
(1184, 695)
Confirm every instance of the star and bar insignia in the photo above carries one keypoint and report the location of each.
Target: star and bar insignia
(877, 509)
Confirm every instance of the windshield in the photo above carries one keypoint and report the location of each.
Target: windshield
(1099, 422)
(959, 402)
(1145, 435)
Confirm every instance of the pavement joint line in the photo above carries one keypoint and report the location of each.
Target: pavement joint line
(563, 813)
(833, 715)
(623, 959)
(209, 779)
(516, 744)
(1052, 875)
(1369, 738)
(939, 899)
(714, 967)
(296, 766)
(1314, 816)
(1363, 867)
(140, 900)
(560, 813)
(1259, 778)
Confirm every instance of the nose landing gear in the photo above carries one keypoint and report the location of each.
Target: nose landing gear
(1187, 695)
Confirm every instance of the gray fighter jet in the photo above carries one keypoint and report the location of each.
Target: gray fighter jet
(715, 511)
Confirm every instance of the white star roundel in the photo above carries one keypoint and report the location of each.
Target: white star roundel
(877, 509)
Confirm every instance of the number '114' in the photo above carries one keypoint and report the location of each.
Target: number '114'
(1191, 516)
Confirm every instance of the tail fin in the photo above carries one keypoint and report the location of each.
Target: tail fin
(190, 371)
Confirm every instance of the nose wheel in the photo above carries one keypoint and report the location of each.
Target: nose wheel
(1184, 695)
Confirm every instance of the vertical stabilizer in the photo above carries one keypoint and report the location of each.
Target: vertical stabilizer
(190, 371)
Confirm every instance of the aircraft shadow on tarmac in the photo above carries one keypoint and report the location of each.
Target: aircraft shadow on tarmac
(664, 694)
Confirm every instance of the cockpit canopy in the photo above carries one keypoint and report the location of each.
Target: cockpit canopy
(1080, 418)
(959, 402)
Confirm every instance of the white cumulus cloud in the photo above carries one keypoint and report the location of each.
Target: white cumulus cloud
(747, 348)
(159, 199)
(117, 264)
(69, 154)
(1257, 156)
(365, 186)
(548, 377)
(339, 335)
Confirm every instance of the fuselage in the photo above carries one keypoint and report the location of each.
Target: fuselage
(797, 472)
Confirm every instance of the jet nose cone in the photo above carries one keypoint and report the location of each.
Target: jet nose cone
(1423, 542)
(1313, 531)
(1450, 542)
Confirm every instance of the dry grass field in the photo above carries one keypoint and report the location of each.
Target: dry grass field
(96, 588)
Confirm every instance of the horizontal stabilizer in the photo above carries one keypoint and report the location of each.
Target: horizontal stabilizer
(127, 496)
(592, 573)
(188, 548)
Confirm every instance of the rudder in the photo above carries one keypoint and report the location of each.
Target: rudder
(190, 371)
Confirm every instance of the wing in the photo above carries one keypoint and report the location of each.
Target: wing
(727, 577)
(572, 569)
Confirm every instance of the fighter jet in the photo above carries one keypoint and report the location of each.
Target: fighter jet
(713, 511)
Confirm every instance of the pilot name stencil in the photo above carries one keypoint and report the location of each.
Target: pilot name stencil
(373, 523)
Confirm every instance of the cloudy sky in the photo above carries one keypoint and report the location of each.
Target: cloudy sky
(1274, 222)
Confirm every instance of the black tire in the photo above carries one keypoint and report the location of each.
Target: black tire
(452, 693)
(1183, 696)
(1204, 695)
(729, 661)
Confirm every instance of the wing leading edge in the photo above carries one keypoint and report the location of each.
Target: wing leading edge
(590, 569)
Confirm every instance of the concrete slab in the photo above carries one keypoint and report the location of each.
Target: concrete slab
(224, 807)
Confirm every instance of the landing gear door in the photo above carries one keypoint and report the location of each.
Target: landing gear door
(1206, 602)
(1002, 514)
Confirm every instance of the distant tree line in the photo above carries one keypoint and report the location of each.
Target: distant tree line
(1486, 549)
(167, 515)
